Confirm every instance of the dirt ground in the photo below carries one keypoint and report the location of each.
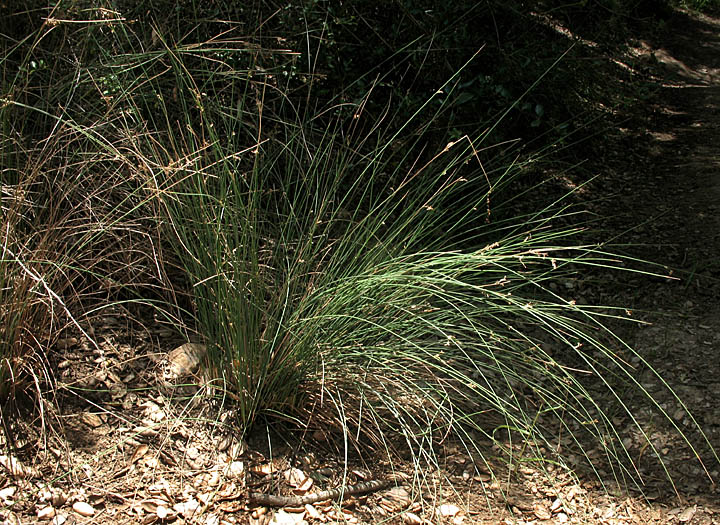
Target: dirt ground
(130, 453)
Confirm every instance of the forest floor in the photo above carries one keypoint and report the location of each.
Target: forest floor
(128, 454)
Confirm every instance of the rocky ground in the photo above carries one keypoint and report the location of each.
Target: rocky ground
(132, 447)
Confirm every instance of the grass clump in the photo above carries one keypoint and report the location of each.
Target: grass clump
(365, 274)
(360, 281)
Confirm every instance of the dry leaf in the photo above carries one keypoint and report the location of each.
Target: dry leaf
(228, 491)
(17, 469)
(187, 508)
(305, 487)
(264, 469)
(313, 512)
(687, 514)
(236, 469)
(212, 519)
(66, 342)
(362, 475)
(295, 477)
(160, 489)
(555, 507)
(140, 451)
(286, 518)
(397, 498)
(410, 518)
(541, 512)
(59, 519)
(162, 512)
(7, 493)
(185, 360)
(151, 505)
(91, 420)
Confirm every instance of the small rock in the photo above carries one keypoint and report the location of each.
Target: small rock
(83, 508)
(410, 518)
(46, 513)
(448, 510)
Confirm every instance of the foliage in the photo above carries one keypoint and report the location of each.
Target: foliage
(349, 236)
(367, 269)
(701, 5)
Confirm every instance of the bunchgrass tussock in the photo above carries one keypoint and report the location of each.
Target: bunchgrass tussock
(350, 270)
(350, 267)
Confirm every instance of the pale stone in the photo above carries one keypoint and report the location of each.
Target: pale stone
(84, 509)
(46, 513)
(448, 510)
(59, 519)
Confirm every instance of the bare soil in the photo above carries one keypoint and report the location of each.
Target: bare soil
(134, 451)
